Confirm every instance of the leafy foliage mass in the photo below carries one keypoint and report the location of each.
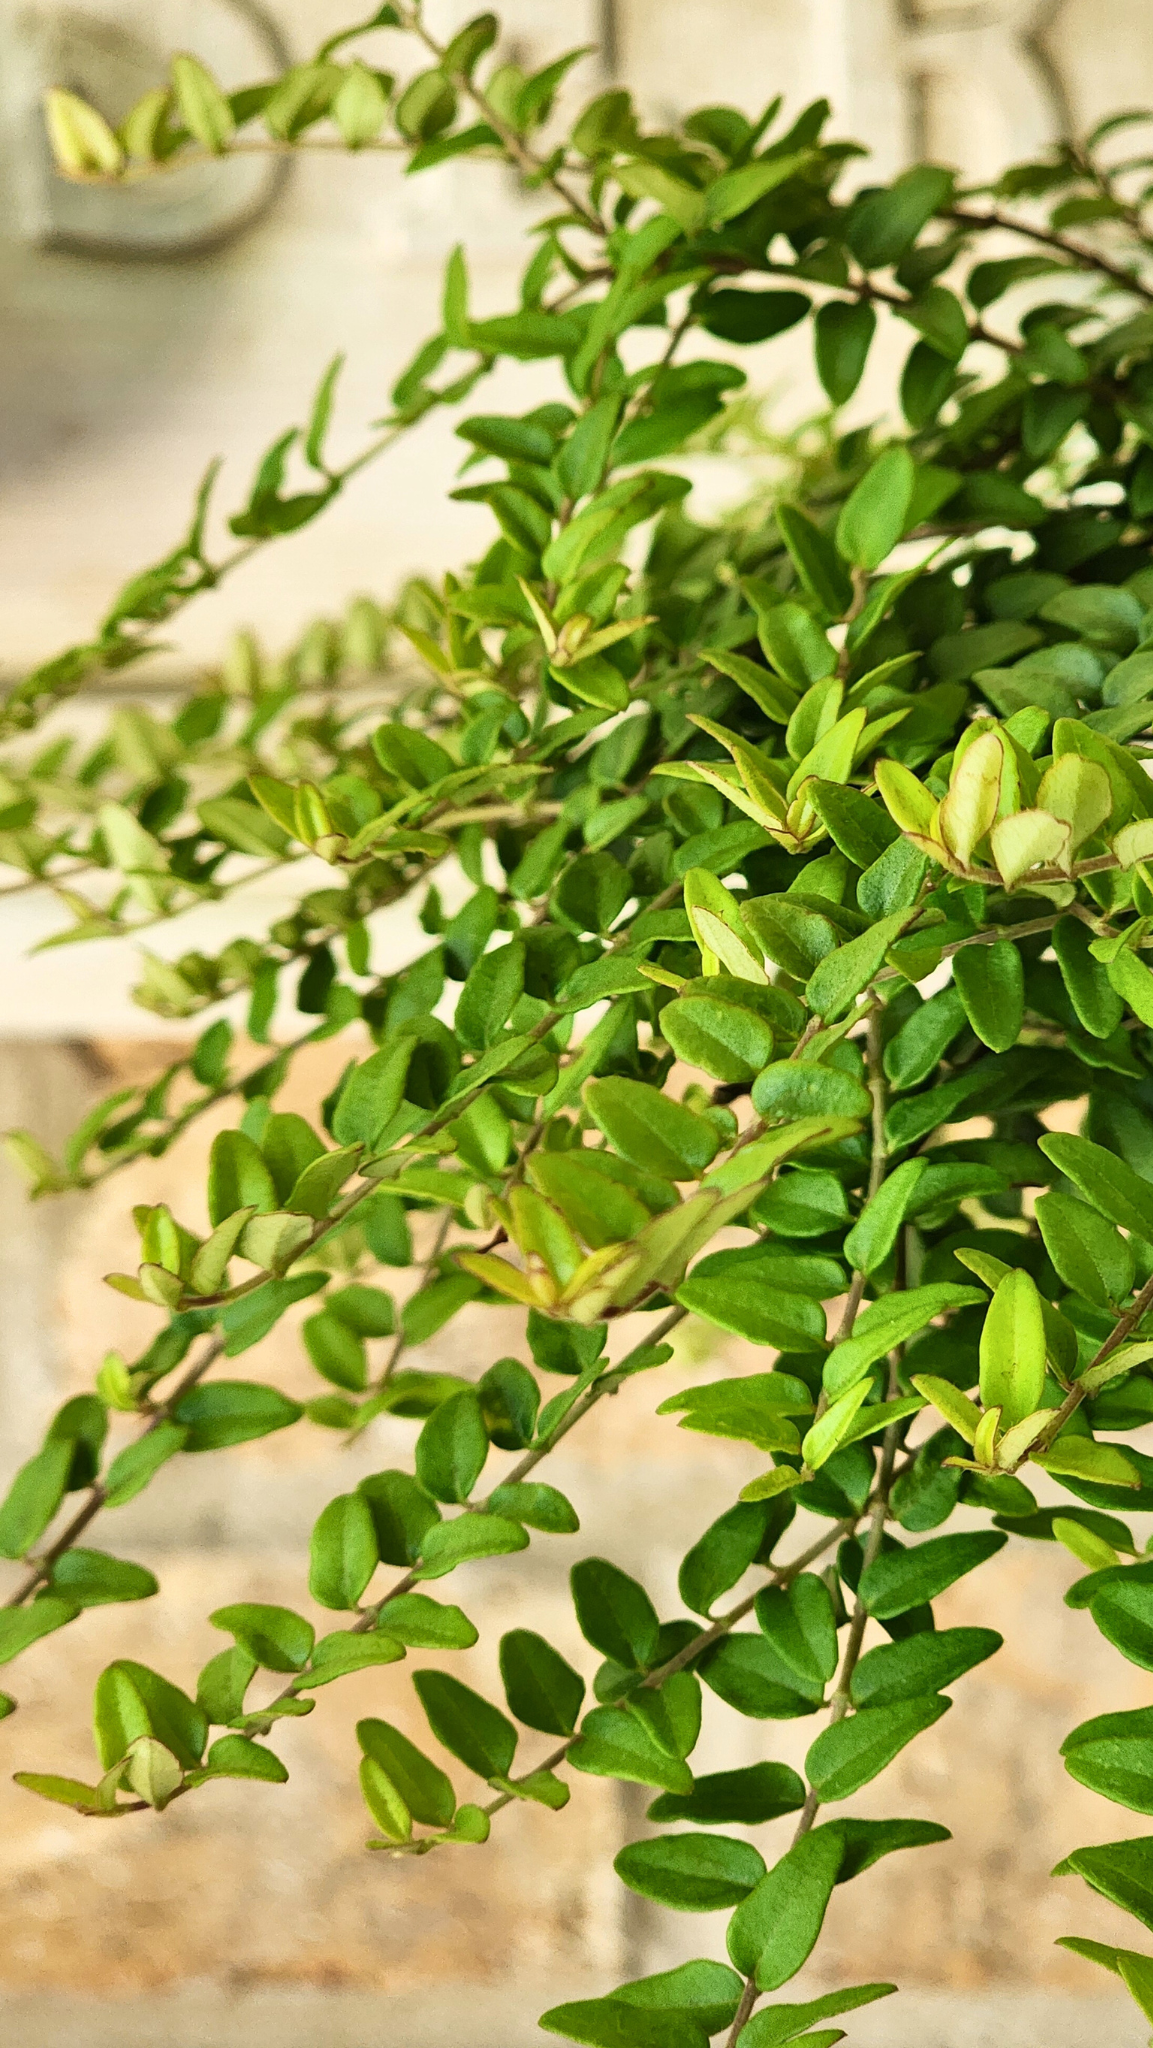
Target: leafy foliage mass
(794, 844)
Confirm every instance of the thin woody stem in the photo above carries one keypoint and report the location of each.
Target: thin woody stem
(96, 1496)
(430, 1266)
(1087, 259)
(780, 1576)
(839, 1705)
(525, 158)
(1124, 1326)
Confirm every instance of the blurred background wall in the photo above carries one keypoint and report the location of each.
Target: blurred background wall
(138, 337)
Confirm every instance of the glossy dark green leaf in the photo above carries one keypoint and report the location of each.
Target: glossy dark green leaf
(237, 1177)
(401, 1511)
(222, 1684)
(691, 1873)
(726, 1550)
(92, 1579)
(422, 1623)
(748, 317)
(536, 1505)
(33, 1498)
(467, 1724)
(1120, 1871)
(237, 1756)
(885, 220)
(1106, 1182)
(851, 1752)
(20, 1627)
(861, 828)
(798, 1088)
(744, 1671)
(777, 2023)
(874, 514)
(451, 1448)
(815, 559)
(1113, 1754)
(744, 1304)
(901, 1579)
(920, 1665)
(991, 984)
(274, 1637)
(450, 1544)
(1123, 1611)
(776, 1928)
(615, 1613)
(913, 1052)
(843, 333)
(366, 1310)
(725, 1040)
(542, 1690)
(758, 1793)
(610, 2023)
(508, 1399)
(799, 1623)
(708, 1992)
(336, 1351)
(1090, 1254)
(616, 1745)
(343, 1554)
(226, 1412)
(865, 1842)
(650, 1130)
(244, 1322)
(424, 1787)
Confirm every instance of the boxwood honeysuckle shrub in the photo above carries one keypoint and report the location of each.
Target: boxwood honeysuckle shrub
(791, 844)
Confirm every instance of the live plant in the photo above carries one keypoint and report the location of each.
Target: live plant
(808, 899)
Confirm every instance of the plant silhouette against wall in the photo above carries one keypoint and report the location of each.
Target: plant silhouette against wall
(793, 842)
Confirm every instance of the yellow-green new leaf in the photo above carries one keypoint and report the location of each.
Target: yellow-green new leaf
(985, 1441)
(970, 808)
(772, 695)
(1012, 1358)
(720, 944)
(202, 106)
(142, 125)
(360, 107)
(83, 144)
(1133, 843)
(1133, 982)
(758, 774)
(771, 1483)
(1028, 839)
(1016, 1441)
(703, 891)
(1078, 792)
(827, 1434)
(533, 1290)
(1136, 1973)
(210, 1265)
(1122, 1360)
(907, 801)
(1087, 1547)
(152, 1771)
(1080, 1457)
(539, 1230)
(959, 1412)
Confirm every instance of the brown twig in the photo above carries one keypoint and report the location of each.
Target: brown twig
(41, 1567)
